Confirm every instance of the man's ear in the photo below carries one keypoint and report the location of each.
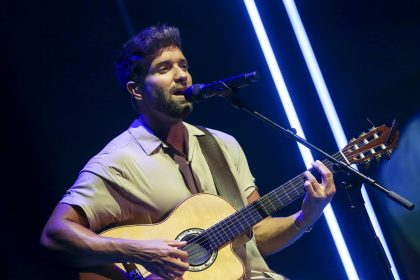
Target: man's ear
(135, 90)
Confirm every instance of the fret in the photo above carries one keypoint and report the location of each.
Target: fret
(244, 219)
(270, 206)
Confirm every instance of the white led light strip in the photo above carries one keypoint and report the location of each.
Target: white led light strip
(330, 112)
(295, 123)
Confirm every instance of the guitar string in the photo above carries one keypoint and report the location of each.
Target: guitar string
(253, 211)
(230, 220)
(287, 185)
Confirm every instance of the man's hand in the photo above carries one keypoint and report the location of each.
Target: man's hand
(161, 257)
(318, 195)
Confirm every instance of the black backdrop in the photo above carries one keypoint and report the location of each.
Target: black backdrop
(61, 105)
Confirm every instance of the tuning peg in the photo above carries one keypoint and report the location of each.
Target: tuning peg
(367, 163)
(378, 158)
(352, 140)
(388, 154)
(362, 134)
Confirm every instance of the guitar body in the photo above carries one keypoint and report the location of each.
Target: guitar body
(209, 223)
(200, 211)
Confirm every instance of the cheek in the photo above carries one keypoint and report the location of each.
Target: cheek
(154, 83)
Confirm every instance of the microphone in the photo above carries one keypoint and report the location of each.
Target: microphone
(200, 92)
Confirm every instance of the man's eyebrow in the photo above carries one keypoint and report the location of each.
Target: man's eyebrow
(168, 61)
(161, 62)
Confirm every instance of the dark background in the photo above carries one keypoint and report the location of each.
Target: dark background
(61, 105)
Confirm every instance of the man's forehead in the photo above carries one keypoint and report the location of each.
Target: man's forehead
(168, 53)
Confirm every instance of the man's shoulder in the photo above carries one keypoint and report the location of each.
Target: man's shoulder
(222, 137)
(113, 152)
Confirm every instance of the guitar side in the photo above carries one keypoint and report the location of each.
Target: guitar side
(200, 211)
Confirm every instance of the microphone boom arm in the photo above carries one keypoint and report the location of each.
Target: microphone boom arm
(291, 134)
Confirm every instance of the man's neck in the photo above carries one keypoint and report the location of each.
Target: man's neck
(176, 137)
(171, 132)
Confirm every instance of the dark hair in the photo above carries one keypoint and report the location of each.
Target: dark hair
(138, 52)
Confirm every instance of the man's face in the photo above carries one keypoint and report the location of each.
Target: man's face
(165, 83)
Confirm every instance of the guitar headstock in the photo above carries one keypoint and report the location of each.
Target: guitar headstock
(372, 145)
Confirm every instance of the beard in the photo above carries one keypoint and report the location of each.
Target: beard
(174, 106)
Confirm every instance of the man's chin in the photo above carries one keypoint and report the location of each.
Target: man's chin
(187, 110)
(182, 111)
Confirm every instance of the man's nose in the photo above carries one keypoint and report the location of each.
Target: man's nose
(181, 75)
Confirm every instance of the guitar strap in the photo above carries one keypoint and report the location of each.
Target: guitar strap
(224, 181)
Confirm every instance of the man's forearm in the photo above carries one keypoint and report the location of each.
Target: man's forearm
(81, 247)
(274, 234)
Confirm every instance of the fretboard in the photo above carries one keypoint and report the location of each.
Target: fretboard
(244, 219)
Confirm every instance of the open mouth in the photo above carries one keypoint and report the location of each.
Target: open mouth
(179, 92)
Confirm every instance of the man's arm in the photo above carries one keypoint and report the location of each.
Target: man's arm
(274, 234)
(66, 233)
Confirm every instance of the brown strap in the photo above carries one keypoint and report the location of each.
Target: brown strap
(187, 174)
(224, 181)
(185, 169)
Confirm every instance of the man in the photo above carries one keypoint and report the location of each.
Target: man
(145, 172)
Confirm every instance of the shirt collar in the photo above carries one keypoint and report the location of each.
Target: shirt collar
(149, 142)
(192, 130)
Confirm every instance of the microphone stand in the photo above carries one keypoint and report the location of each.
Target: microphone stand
(353, 188)
(356, 178)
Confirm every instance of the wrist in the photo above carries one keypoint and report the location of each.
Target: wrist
(117, 250)
(299, 223)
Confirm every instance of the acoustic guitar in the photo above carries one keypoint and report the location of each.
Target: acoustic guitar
(209, 223)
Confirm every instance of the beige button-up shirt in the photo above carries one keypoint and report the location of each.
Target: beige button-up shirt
(132, 180)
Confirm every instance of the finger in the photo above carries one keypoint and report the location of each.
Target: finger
(308, 175)
(327, 178)
(311, 183)
(326, 174)
(161, 273)
(172, 275)
(178, 273)
(179, 254)
(167, 276)
(176, 243)
(309, 188)
(178, 264)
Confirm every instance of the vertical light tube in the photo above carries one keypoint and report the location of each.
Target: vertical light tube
(294, 122)
(278, 78)
(330, 111)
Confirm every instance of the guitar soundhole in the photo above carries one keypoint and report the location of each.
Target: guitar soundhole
(200, 255)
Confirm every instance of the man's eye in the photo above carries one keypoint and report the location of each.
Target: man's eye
(184, 66)
(163, 69)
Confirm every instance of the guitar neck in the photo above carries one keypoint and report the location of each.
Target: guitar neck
(244, 219)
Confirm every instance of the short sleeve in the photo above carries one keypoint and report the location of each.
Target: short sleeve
(245, 175)
(97, 198)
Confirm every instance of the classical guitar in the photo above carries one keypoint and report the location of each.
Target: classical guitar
(209, 223)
